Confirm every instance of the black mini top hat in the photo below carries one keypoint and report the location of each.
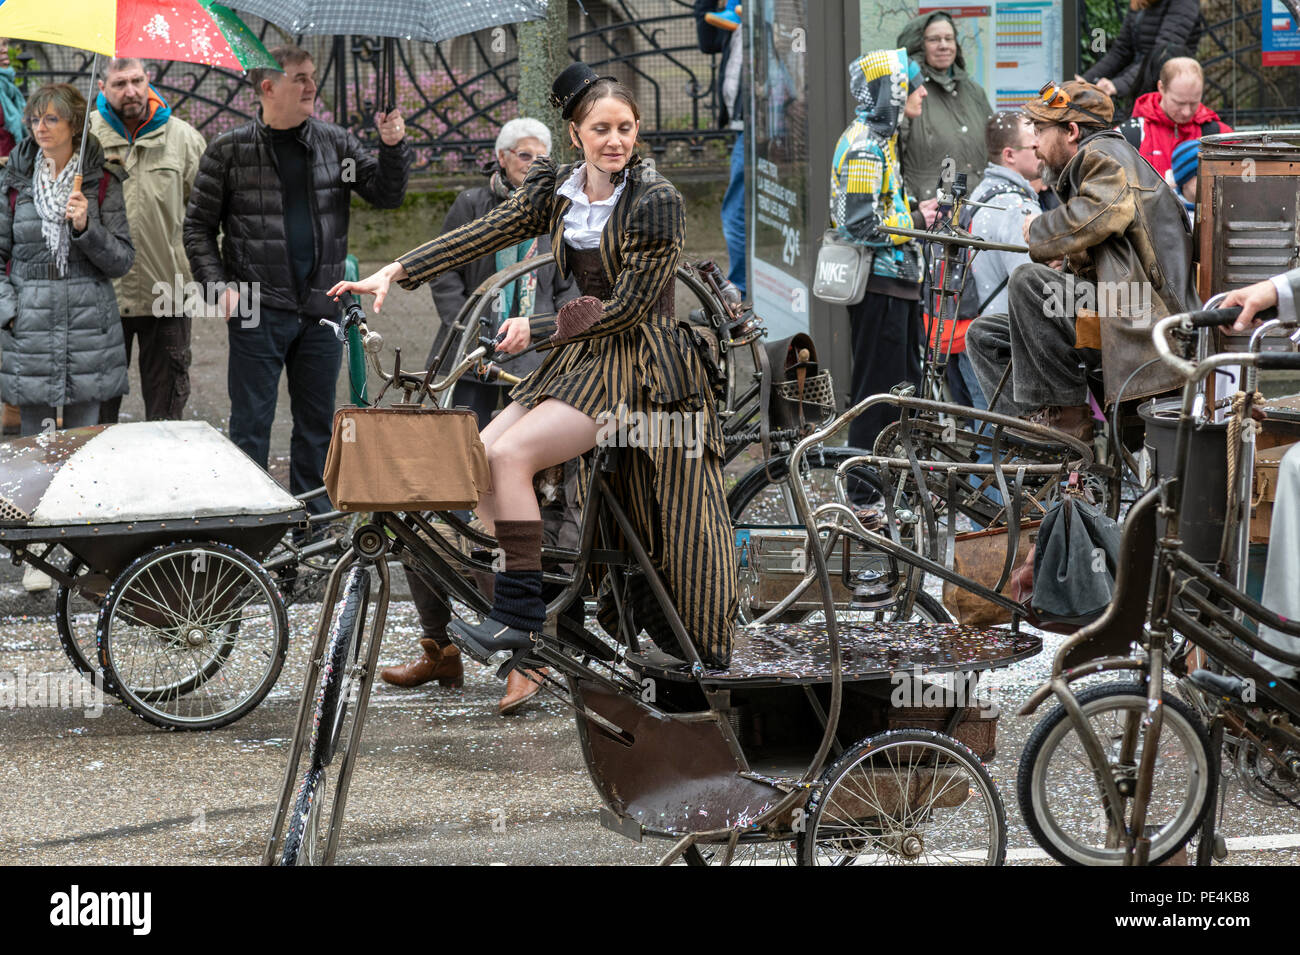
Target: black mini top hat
(570, 85)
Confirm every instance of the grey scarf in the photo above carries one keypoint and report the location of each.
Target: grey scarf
(50, 195)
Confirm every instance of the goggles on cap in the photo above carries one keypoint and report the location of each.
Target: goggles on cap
(1056, 97)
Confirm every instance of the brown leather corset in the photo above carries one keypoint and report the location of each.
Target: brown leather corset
(585, 266)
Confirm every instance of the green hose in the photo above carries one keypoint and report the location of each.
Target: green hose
(356, 356)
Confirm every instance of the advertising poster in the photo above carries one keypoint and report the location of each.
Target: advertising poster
(778, 166)
(1279, 36)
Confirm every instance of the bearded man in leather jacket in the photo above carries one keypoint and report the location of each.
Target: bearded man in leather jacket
(279, 190)
(1109, 262)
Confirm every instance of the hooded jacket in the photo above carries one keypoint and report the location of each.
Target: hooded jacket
(161, 160)
(866, 185)
(1154, 134)
(951, 124)
(61, 338)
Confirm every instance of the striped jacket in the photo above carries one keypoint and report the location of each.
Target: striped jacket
(639, 247)
(636, 355)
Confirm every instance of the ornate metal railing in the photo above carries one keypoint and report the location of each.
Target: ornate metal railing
(1237, 86)
(455, 95)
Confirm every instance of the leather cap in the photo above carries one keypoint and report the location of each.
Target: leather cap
(1087, 105)
(570, 85)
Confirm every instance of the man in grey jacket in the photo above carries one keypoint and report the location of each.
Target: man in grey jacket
(1006, 185)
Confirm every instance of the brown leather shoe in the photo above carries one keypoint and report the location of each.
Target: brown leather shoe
(1074, 420)
(519, 690)
(438, 663)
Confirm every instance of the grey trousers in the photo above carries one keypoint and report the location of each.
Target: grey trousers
(1037, 338)
(1280, 592)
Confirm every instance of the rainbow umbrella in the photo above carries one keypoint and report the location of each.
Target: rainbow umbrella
(190, 31)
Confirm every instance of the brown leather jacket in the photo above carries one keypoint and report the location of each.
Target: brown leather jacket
(1122, 227)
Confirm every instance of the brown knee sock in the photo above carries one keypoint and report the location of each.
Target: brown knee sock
(518, 598)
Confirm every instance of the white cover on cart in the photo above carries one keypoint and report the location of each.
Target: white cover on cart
(156, 470)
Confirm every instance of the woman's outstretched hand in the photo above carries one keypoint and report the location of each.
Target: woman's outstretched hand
(515, 335)
(376, 285)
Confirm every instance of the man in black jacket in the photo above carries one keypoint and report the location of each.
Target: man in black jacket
(279, 190)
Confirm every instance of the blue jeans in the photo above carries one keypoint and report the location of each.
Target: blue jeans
(733, 215)
(311, 356)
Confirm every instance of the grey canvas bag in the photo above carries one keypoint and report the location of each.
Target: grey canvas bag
(843, 268)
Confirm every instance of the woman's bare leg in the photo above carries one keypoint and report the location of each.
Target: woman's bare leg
(520, 443)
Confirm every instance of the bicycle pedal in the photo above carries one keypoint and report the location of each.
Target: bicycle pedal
(515, 661)
(1218, 684)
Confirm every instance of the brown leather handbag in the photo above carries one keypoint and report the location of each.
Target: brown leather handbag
(980, 556)
(406, 459)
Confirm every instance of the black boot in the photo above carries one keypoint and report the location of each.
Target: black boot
(518, 610)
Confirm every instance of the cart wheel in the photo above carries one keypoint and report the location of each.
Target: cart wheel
(783, 851)
(906, 797)
(76, 618)
(303, 844)
(192, 635)
(1061, 802)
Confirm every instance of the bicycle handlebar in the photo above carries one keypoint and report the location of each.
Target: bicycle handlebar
(1216, 317)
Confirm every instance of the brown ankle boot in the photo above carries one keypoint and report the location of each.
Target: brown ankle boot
(520, 689)
(1074, 420)
(437, 663)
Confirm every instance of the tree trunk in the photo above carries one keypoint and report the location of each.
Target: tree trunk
(543, 53)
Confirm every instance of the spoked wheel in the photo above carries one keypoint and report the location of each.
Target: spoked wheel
(1060, 798)
(781, 851)
(192, 635)
(906, 797)
(76, 616)
(340, 680)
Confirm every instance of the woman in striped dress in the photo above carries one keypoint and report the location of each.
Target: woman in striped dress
(618, 228)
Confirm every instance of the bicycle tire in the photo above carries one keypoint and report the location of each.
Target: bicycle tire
(340, 654)
(301, 841)
(1043, 743)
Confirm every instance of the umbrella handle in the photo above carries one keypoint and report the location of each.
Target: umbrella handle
(76, 183)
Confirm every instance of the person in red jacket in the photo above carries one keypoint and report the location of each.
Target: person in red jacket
(1171, 115)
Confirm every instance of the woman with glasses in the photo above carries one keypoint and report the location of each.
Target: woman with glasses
(60, 336)
(61, 346)
(956, 112)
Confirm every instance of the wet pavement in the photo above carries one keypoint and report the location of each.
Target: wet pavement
(440, 779)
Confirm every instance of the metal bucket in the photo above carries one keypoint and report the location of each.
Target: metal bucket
(1205, 488)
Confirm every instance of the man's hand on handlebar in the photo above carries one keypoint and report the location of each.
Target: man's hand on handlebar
(515, 335)
(376, 285)
(1252, 299)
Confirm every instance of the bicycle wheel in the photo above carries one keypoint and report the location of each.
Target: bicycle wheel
(339, 675)
(906, 797)
(75, 617)
(192, 635)
(303, 844)
(1060, 797)
(761, 497)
